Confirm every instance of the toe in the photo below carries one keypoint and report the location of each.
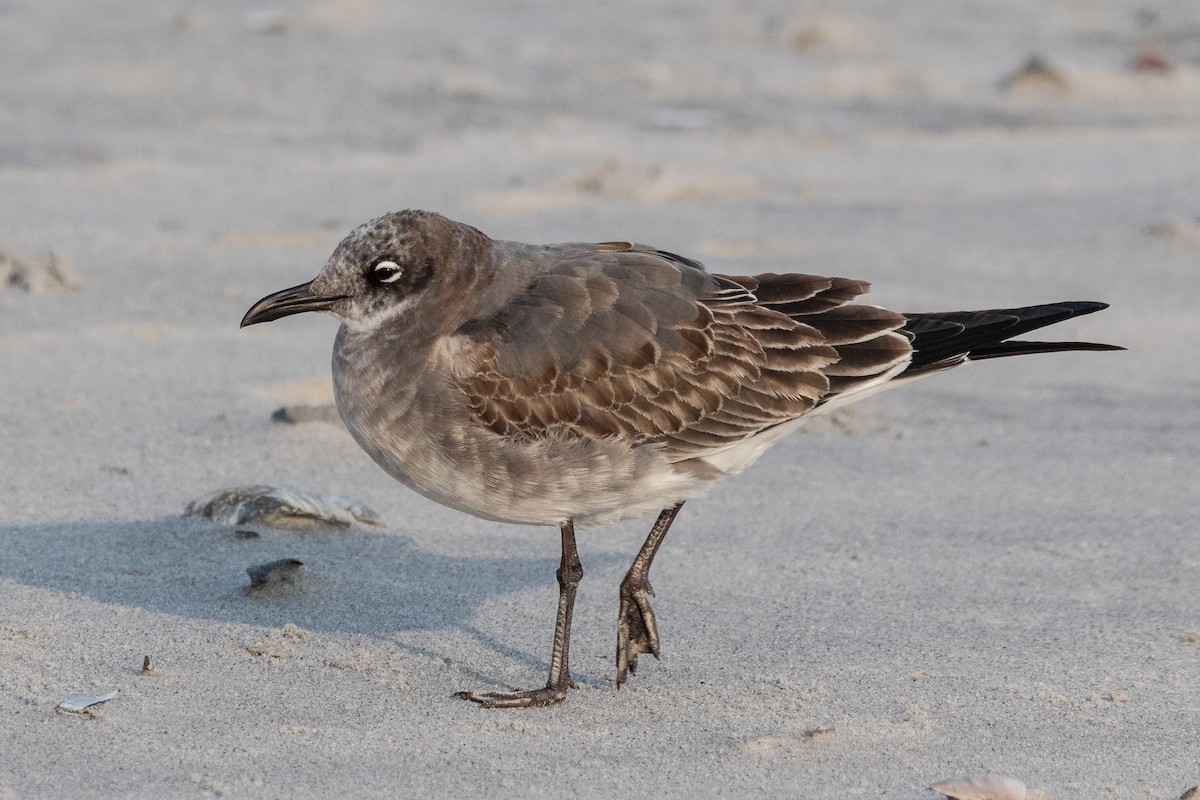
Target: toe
(530, 698)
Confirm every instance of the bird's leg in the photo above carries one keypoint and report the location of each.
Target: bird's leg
(637, 631)
(570, 572)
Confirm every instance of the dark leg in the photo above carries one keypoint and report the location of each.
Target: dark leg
(570, 572)
(637, 631)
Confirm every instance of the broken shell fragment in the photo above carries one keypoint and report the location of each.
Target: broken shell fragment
(986, 787)
(77, 703)
(281, 508)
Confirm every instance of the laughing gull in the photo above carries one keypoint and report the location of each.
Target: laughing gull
(586, 383)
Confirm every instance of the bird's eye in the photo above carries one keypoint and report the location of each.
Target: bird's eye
(386, 272)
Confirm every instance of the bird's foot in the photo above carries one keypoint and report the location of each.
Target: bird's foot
(529, 698)
(637, 630)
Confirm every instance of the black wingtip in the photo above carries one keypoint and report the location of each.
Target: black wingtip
(942, 338)
(1021, 348)
(1080, 307)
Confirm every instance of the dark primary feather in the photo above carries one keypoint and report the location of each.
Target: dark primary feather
(944, 339)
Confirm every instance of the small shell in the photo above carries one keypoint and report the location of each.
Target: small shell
(81, 702)
(281, 508)
(986, 787)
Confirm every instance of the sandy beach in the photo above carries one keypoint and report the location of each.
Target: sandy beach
(993, 571)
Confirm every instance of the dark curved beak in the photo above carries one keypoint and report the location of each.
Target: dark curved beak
(289, 301)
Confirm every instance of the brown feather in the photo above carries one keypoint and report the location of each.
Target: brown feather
(618, 339)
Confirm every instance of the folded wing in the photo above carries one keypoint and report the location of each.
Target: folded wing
(623, 340)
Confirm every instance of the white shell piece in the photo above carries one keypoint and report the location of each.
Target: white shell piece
(986, 787)
(81, 702)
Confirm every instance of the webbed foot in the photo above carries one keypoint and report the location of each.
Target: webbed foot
(637, 629)
(528, 698)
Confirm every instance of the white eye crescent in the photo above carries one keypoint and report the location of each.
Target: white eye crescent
(387, 272)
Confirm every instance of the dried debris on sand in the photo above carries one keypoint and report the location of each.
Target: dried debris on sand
(1036, 76)
(43, 274)
(281, 508)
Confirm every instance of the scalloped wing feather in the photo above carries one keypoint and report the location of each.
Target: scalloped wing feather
(620, 340)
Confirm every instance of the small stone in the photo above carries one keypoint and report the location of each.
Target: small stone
(274, 573)
(1151, 57)
(300, 414)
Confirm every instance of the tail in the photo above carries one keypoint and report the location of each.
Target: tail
(944, 340)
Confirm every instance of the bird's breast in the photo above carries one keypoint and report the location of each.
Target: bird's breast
(417, 425)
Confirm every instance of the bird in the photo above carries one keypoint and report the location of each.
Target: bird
(585, 383)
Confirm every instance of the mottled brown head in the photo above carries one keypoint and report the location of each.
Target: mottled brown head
(387, 270)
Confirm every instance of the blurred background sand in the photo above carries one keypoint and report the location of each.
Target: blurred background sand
(993, 571)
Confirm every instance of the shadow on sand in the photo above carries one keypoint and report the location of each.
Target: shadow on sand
(355, 581)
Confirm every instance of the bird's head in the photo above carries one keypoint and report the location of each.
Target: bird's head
(383, 270)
